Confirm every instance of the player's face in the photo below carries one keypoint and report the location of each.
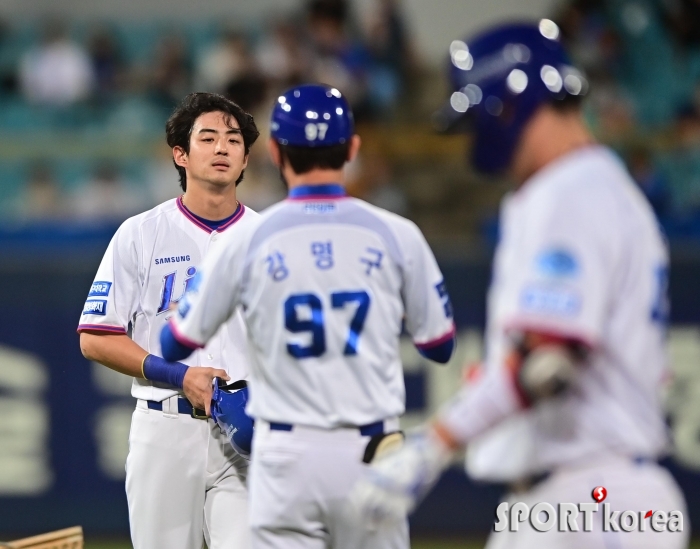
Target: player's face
(217, 154)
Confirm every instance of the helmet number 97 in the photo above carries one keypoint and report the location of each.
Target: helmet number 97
(316, 131)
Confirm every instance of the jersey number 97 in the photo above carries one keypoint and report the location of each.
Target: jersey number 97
(316, 324)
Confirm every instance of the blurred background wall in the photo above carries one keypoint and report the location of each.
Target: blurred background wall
(433, 24)
(85, 88)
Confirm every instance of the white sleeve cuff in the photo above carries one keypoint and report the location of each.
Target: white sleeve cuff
(480, 406)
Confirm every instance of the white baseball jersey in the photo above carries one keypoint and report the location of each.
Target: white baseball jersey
(325, 282)
(580, 255)
(150, 262)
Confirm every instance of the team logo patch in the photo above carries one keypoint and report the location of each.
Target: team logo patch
(100, 288)
(557, 263)
(550, 300)
(95, 307)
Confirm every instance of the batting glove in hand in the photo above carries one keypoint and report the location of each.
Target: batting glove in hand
(392, 485)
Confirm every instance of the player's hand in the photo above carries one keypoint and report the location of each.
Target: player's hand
(198, 386)
(392, 486)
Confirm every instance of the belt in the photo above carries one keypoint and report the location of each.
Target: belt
(369, 430)
(183, 407)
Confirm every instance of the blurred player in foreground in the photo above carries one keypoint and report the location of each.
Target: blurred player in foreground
(570, 394)
(325, 282)
(183, 480)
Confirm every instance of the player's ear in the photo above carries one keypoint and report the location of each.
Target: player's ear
(274, 149)
(180, 156)
(354, 148)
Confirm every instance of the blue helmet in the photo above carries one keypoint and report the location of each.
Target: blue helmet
(499, 79)
(228, 410)
(312, 115)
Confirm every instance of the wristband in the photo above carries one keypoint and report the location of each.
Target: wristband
(155, 368)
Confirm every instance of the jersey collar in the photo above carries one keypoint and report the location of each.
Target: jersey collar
(312, 192)
(240, 210)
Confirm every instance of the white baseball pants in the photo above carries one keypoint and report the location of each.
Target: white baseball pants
(184, 483)
(299, 484)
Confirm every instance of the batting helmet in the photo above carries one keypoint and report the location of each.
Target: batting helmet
(499, 79)
(312, 115)
(228, 410)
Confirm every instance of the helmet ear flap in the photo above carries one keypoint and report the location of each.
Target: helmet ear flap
(508, 114)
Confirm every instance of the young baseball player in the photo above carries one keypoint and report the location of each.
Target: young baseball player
(326, 283)
(569, 397)
(184, 482)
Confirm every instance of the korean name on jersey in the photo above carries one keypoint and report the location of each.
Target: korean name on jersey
(324, 285)
(151, 261)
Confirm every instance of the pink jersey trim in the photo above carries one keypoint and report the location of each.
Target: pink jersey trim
(201, 225)
(439, 341)
(101, 328)
(187, 342)
(233, 220)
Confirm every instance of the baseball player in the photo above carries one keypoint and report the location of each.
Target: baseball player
(575, 355)
(184, 482)
(326, 283)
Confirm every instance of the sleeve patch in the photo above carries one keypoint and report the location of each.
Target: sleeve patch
(560, 301)
(95, 307)
(445, 297)
(557, 263)
(100, 288)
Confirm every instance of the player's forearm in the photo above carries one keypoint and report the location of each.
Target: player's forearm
(541, 367)
(116, 351)
(478, 408)
(120, 353)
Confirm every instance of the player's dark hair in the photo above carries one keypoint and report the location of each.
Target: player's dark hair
(305, 159)
(178, 128)
(333, 10)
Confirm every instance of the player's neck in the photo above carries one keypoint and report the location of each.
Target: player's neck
(210, 202)
(314, 177)
(549, 136)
